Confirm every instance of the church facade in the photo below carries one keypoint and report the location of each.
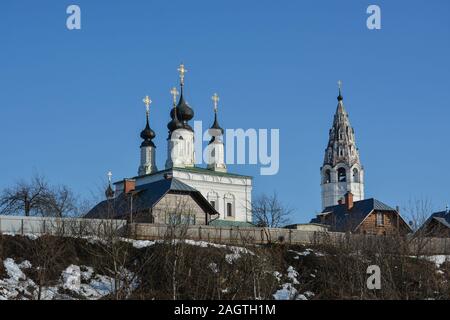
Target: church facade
(228, 194)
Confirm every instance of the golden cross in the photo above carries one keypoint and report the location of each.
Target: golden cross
(147, 103)
(216, 99)
(182, 71)
(174, 93)
(340, 84)
(109, 176)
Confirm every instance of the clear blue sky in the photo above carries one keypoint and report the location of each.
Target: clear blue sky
(71, 100)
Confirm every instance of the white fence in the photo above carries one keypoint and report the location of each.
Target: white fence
(20, 225)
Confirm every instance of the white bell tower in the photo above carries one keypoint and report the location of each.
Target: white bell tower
(180, 144)
(216, 149)
(148, 148)
(342, 170)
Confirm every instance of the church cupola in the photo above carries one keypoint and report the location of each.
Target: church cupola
(147, 134)
(180, 144)
(109, 193)
(342, 171)
(215, 130)
(175, 123)
(184, 112)
(147, 164)
(216, 149)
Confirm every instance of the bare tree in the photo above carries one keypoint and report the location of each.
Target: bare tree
(25, 198)
(269, 212)
(59, 202)
(418, 211)
(37, 197)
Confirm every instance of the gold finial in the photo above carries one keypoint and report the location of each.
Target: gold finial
(216, 99)
(174, 92)
(147, 103)
(182, 70)
(340, 84)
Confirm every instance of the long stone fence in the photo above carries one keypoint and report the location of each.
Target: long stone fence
(20, 225)
(240, 235)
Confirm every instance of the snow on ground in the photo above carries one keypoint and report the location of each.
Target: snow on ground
(235, 254)
(75, 282)
(292, 275)
(306, 252)
(214, 268)
(31, 236)
(277, 275)
(288, 291)
(438, 259)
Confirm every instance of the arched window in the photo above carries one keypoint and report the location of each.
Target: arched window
(213, 198)
(229, 205)
(229, 209)
(342, 175)
(327, 176)
(355, 175)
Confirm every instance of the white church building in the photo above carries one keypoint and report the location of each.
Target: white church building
(223, 196)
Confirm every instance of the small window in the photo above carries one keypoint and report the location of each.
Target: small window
(229, 210)
(342, 175)
(380, 219)
(327, 177)
(177, 219)
(355, 175)
(213, 204)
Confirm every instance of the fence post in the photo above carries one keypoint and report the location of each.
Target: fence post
(21, 226)
(199, 233)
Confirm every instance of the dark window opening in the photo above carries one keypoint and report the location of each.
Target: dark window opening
(229, 210)
(327, 177)
(342, 175)
(355, 175)
(380, 219)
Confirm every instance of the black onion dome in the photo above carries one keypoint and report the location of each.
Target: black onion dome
(185, 112)
(174, 124)
(109, 193)
(340, 98)
(147, 135)
(215, 130)
(216, 125)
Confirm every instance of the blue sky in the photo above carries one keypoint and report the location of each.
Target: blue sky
(71, 100)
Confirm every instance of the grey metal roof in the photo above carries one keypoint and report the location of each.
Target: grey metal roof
(442, 217)
(230, 223)
(146, 197)
(349, 220)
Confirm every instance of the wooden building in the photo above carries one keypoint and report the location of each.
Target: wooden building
(167, 201)
(368, 216)
(437, 225)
